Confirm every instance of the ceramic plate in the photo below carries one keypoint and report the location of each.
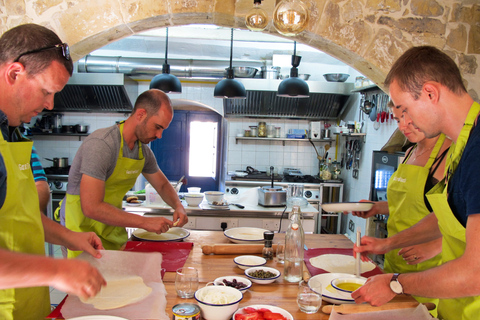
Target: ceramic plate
(245, 235)
(135, 204)
(98, 318)
(347, 206)
(274, 309)
(248, 283)
(328, 292)
(174, 234)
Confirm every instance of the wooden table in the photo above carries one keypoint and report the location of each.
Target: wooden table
(280, 293)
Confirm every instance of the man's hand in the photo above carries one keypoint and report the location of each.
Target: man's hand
(371, 245)
(77, 277)
(379, 207)
(85, 241)
(376, 291)
(156, 224)
(180, 217)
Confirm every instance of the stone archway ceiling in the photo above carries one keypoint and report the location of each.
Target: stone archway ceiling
(366, 34)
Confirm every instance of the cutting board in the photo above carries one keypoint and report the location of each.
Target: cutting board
(174, 253)
(315, 252)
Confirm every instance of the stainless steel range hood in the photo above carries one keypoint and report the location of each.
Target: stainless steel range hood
(97, 92)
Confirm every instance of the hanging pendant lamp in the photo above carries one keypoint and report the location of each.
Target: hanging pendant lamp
(166, 82)
(230, 88)
(294, 87)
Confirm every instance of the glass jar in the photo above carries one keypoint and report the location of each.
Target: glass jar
(270, 131)
(253, 131)
(277, 132)
(336, 170)
(359, 82)
(262, 129)
(247, 133)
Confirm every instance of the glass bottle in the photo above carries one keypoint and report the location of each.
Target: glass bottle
(294, 248)
(267, 251)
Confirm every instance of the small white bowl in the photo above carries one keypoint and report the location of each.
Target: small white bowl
(245, 281)
(346, 285)
(214, 196)
(262, 280)
(245, 262)
(194, 190)
(193, 199)
(213, 311)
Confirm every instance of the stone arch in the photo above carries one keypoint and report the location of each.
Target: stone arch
(367, 34)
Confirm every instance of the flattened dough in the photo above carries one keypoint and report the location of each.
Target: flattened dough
(339, 263)
(119, 292)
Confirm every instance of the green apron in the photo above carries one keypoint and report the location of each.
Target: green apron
(406, 204)
(122, 179)
(21, 230)
(453, 232)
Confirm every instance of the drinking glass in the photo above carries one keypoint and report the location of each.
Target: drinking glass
(186, 282)
(308, 300)
(280, 252)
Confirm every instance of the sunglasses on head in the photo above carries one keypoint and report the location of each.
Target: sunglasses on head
(65, 51)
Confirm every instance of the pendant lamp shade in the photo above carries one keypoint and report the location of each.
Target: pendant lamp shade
(294, 87)
(166, 82)
(230, 88)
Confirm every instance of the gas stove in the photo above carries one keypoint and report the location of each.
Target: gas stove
(57, 170)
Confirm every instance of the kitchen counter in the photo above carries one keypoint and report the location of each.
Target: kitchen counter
(279, 293)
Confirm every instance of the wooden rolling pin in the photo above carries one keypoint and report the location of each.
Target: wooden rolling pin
(359, 308)
(234, 248)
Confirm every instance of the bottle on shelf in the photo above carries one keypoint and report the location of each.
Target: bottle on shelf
(336, 170)
(294, 248)
(267, 251)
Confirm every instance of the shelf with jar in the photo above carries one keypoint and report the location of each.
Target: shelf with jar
(281, 139)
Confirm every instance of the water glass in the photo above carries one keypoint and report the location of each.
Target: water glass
(280, 255)
(308, 300)
(186, 282)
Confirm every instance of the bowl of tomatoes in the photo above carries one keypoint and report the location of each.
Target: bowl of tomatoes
(262, 311)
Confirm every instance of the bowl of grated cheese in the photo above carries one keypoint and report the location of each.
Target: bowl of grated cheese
(218, 302)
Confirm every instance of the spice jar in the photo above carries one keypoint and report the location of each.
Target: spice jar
(262, 129)
(253, 131)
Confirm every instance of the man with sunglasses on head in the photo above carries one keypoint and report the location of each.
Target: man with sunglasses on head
(34, 65)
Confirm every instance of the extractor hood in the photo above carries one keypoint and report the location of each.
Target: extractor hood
(97, 92)
(327, 101)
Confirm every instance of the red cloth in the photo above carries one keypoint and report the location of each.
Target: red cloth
(312, 253)
(174, 253)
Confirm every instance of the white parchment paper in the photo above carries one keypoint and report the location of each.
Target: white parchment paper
(147, 265)
(418, 313)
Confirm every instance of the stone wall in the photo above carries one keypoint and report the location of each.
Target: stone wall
(366, 34)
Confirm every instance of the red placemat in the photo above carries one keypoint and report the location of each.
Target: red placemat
(174, 253)
(312, 253)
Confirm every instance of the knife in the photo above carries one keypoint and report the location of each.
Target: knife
(238, 205)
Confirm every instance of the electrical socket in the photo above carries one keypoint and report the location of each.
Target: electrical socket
(231, 223)
(271, 224)
(190, 224)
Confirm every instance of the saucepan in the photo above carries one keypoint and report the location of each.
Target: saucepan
(59, 162)
(81, 128)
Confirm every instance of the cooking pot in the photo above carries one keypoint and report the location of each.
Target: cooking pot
(68, 129)
(59, 162)
(81, 128)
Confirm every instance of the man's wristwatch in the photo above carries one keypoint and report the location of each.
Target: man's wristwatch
(395, 285)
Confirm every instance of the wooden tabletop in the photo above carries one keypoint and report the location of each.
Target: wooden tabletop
(280, 293)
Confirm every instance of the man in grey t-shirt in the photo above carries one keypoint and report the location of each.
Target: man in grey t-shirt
(107, 165)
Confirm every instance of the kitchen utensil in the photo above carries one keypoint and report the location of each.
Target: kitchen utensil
(360, 308)
(336, 77)
(347, 206)
(68, 129)
(59, 162)
(57, 123)
(238, 205)
(193, 199)
(357, 258)
(272, 196)
(244, 72)
(220, 282)
(246, 262)
(308, 300)
(79, 128)
(186, 282)
(373, 113)
(220, 311)
(231, 248)
(245, 235)
(259, 280)
(304, 76)
(173, 234)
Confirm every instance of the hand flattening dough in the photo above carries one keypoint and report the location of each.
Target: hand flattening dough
(339, 263)
(120, 292)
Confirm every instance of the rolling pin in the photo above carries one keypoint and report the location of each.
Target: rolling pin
(234, 248)
(359, 308)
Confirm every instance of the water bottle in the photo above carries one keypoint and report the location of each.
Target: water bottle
(294, 243)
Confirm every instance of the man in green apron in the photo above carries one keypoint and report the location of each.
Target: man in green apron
(107, 165)
(427, 86)
(34, 65)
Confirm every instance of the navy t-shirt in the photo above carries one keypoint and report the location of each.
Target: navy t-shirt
(464, 185)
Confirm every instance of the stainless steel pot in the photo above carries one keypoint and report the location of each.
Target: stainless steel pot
(81, 128)
(59, 162)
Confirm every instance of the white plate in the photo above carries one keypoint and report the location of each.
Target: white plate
(135, 204)
(331, 295)
(98, 318)
(245, 235)
(174, 234)
(275, 309)
(347, 206)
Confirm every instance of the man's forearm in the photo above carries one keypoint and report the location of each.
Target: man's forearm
(43, 191)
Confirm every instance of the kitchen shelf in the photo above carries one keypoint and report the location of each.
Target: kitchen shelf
(79, 135)
(366, 88)
(281, 139)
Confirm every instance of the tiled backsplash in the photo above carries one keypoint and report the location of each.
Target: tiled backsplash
(263, 154)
